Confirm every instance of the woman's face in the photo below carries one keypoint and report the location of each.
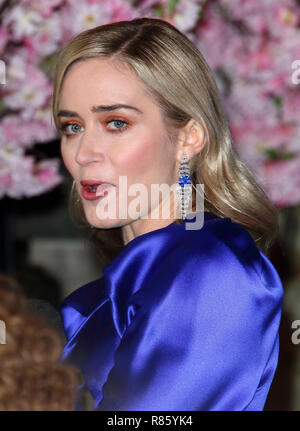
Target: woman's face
(104, 144)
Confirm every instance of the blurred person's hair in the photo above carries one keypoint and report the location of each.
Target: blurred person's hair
(180, 82)
(32, 376)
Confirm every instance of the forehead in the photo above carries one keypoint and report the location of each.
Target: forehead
(102, 77)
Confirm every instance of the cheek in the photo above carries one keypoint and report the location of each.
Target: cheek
(139, 159)
(68, 159)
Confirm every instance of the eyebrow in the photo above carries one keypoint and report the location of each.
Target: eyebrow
(100, 108)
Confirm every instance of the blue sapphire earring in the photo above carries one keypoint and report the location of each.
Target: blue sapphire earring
(184, 188)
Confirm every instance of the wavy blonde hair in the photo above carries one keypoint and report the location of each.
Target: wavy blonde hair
(182, 85)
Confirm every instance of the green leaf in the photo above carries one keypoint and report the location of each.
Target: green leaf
(2, 108)
(171, 6)
(48, 63)
(288, 156)
(277, 101)
(201, 14)
(271, 154)
(158, 12)
(278, 154)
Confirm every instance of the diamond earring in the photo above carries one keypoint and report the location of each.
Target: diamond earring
(184, 188)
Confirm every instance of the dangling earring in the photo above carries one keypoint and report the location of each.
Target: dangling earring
(184, 189)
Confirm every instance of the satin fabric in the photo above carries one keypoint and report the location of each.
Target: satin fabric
(182, 320)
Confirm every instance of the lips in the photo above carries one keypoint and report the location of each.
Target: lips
(92, 190)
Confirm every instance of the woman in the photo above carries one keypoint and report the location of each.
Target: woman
(183, 318)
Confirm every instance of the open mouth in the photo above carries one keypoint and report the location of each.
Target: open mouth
(95, 191)
(92, 188)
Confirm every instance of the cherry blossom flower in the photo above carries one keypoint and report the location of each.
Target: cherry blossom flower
(79, 16)
(281, 180)
(47, 39)
(186, 15)
(42, 7)
(250, 47)
(22, 21)
(30, 93)
(122, 10)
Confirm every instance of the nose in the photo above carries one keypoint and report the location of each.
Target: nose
(89, 149)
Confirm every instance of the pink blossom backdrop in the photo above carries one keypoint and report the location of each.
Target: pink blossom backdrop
(251, 47)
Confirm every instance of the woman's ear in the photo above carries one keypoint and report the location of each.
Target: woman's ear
(191, 140)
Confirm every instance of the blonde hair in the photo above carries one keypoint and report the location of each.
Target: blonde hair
(182, 85)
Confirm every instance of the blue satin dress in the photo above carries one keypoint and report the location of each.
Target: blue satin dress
(182, 320)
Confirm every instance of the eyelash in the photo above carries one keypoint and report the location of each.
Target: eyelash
(64, 127)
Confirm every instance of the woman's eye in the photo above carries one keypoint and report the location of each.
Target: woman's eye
(118, 124)
(74, 128)
(71, 128)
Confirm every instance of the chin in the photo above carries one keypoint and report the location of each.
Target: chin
(102, 223)
(105, 223)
